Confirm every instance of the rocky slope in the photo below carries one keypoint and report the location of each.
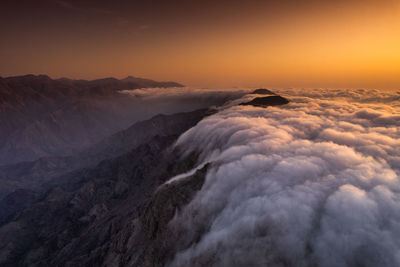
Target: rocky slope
(87, 219)
(23, 181)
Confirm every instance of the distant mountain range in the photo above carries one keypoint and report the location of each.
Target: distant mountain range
(40, 116)
(20, 90)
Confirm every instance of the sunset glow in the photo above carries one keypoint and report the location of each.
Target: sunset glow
(244, 43)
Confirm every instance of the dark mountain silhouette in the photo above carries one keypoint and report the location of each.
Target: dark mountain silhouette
(275, 100)
(34, 87)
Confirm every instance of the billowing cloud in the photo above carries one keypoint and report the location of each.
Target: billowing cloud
(312, 183)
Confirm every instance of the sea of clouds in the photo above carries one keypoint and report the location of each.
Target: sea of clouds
(312, 183)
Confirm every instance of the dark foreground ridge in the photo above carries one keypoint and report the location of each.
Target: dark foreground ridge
(275, 100)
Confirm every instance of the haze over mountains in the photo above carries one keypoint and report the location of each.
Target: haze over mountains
(43, 117)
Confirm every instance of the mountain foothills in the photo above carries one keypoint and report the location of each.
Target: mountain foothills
(107, 205)
(41, 117)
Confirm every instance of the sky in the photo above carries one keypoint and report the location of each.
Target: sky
(286, 43)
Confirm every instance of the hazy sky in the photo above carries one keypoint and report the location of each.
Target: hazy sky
(343, 43)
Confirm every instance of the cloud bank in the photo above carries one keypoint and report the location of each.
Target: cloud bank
(312, 183)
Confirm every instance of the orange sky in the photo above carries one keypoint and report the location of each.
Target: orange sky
(351, 43)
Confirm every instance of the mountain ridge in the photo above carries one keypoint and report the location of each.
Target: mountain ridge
(41, 116)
